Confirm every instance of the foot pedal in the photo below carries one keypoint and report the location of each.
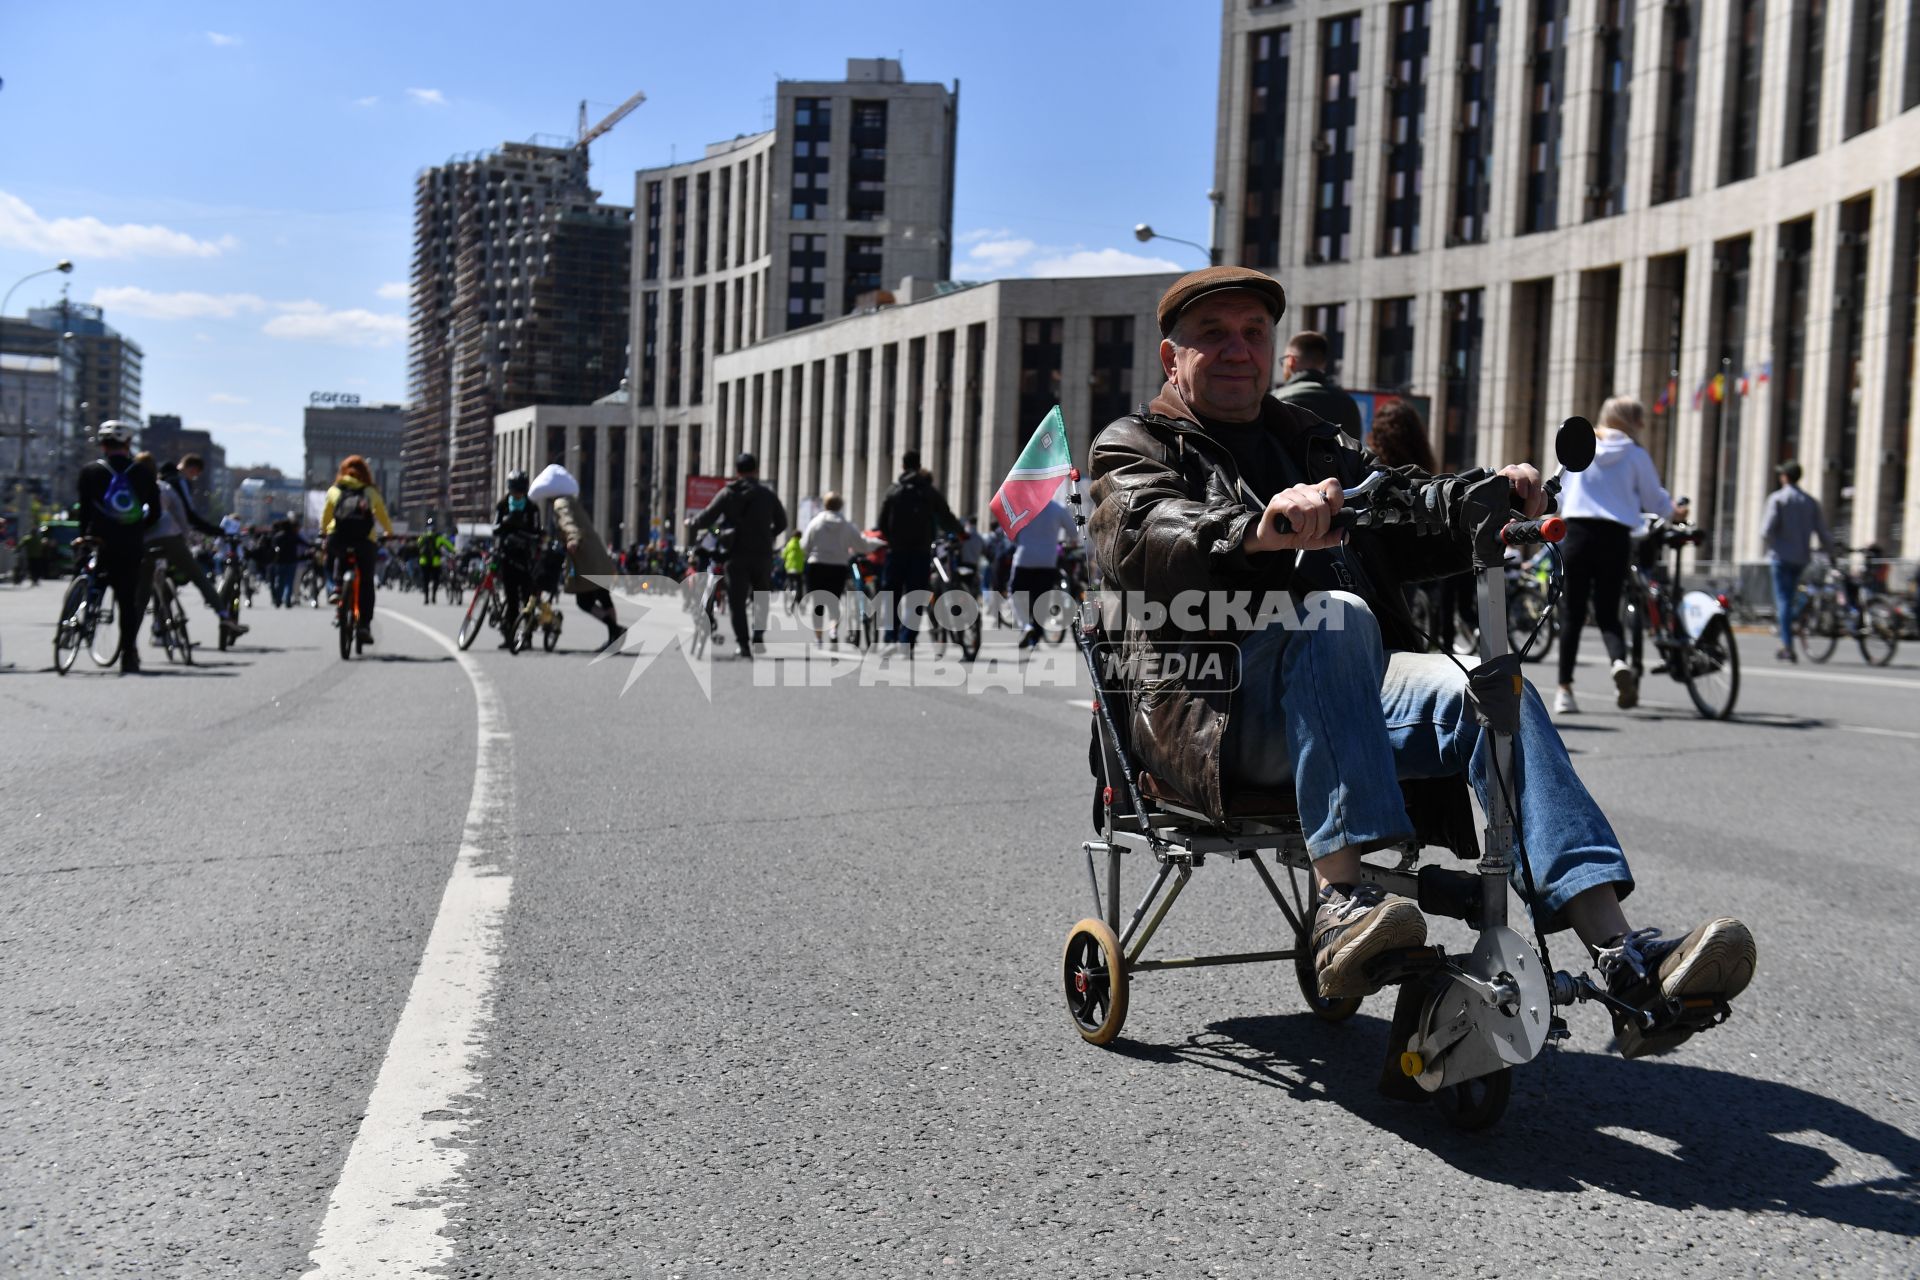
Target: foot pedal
(1403, 963)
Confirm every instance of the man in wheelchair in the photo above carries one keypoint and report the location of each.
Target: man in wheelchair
(1192, 494)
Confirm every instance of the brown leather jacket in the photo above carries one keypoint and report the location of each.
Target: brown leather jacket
(1169, 516)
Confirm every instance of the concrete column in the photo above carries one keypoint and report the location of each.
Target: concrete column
(953, 467)
(1305, 84)
(1819, 435)
(997, 380)
(878, 467)
(1756, 410)
(1579, 114)
(1632, 352)
(1437, 139)
(1714, 40)
(1876, 429)
(1369, 160)
(1430, 358)
(1697, 354)
(1506, 176)
(1076, 373)
(1777, 52)
(1646, 105)
(1494, 439)
(1569, 311)
(603, 479)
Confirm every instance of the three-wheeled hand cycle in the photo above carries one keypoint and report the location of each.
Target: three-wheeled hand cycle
(1461, 1022)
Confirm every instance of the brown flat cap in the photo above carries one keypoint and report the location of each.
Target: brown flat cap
(1198, 284)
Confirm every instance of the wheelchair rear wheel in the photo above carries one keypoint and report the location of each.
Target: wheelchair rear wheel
(1475, 1104)
(1095, 976)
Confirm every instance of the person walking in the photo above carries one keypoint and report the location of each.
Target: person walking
(830, 542)
(912, 515)
(591, 565)
(1036, 565)
(1790, 523)
(1603, 506)
(289, 553)
(431, 555)
(1306, 382)
(119, 503)
(756, 516)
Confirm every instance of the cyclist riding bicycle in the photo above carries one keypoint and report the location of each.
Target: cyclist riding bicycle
(168, 538)
(119, 502)
(516, 540)
(1188, 497)
(353, 506)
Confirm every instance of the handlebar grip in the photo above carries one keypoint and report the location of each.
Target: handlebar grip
(1344, 518)
(1525, 533)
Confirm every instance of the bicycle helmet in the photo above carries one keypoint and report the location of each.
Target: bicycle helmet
(113, 431)
(517, 481)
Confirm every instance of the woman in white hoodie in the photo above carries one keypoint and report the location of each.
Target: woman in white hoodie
(1603, 506)
(830, 542)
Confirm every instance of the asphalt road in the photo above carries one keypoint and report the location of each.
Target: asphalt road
(767, 984)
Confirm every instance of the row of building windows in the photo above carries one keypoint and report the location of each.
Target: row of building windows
(1735, 363)
(719, 237)
(1269, 56)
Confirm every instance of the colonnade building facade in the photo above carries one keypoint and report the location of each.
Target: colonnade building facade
(776, 232)
(961, 373)
(1522, 208)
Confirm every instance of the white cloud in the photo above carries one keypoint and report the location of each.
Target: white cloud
(999, 256)
(220, 41)
(303, 321)
(222, 397)
(1099, 262)
(371, 100)
(982, 233)
(428, 97)
(352, 327)
(89, 238)
(394, 291)
(131, 300)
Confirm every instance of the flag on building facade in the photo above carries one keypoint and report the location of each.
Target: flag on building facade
(1717, 388)
(1036, 475)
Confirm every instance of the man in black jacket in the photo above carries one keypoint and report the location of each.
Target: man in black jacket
(912, 515)
(119, 502)
(1304, 381)
(754, 516)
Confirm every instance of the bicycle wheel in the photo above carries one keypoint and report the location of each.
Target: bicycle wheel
(103, 632)
(1713, 669)
(970, 641)
(182, 640)
(1524, 624)
(550, 635)
(70, 632)
(230, 601)
(1879, 632)
(479, 609)
(343, 615)
(1817, 629)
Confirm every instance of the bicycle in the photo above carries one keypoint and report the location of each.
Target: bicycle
(346, 615)
(954, 614)
(1691, 632)
(708, 581)
(539, 612)
(486, 605)
(312, 582)
(232, 585)
(1064, 601)
(1533, 624)
(859, 613)
(86, 619)
(1832, 607)
(170, 616)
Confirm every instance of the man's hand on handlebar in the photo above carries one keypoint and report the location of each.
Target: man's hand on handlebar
(1529, 492)
(1307, 510)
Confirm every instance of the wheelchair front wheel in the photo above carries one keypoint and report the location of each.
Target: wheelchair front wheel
(1325, 1008)
(1095, 976)
(1477, 1103)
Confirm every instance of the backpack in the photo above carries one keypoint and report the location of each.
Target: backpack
(910, 515)
(353, 513)
(120, 504)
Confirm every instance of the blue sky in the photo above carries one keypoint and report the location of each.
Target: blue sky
(234, 181)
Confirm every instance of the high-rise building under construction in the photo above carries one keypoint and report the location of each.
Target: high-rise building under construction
(520, 288)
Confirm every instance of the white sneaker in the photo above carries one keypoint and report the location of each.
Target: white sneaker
(1563, 703)
(1626, 685)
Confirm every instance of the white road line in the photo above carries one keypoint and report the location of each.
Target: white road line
(397, 1193)
(1836, 677)
(1879, 733)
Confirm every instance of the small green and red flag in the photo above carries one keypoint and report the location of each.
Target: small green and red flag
(1036, 475)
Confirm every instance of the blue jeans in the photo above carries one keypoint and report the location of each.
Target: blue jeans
(1358, 718)
(283, 580)
(1786, 577)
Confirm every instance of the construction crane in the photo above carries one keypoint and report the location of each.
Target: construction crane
(618, 114)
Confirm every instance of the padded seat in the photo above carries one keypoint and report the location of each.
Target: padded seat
(1279, 805)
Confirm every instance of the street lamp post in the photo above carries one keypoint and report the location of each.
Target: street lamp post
(1143, 233)
(64, 267)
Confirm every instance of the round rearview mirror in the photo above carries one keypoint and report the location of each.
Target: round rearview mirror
(1573, 444)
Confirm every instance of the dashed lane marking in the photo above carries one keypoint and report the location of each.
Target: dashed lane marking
(397, 1193)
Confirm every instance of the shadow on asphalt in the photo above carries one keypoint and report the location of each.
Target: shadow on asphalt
(1719, 1140)
(403, 657)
